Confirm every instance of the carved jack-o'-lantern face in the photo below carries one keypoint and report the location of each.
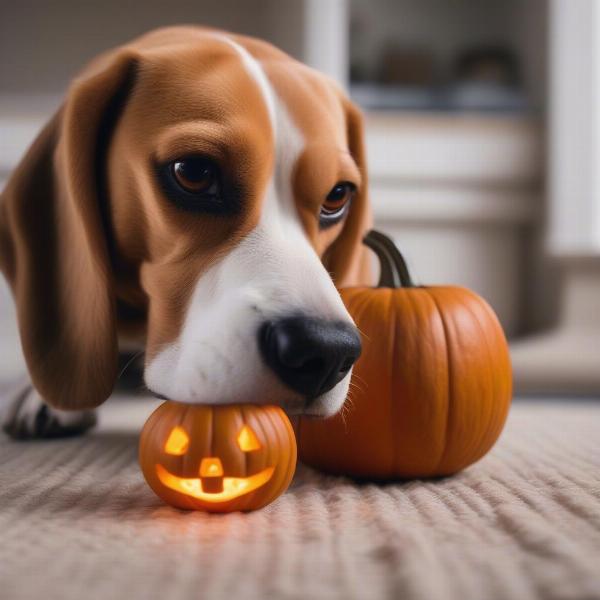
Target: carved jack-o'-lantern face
(218, 458)
(212, 485)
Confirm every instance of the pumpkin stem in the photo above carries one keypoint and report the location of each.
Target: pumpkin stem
(394, 272)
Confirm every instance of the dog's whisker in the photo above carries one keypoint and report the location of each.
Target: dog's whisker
(129, 362)
(356, 379)
(355, 386)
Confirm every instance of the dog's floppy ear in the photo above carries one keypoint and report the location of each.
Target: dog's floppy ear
(347, 259)
(54, 247)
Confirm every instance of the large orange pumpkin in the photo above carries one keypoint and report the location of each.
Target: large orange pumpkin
(218, 458)
(431, 390)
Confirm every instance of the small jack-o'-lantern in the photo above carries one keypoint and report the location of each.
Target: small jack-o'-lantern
(218, 458)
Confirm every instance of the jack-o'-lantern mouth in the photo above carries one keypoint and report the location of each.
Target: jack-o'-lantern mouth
(231, 487)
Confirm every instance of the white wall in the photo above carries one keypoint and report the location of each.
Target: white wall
(574, 169)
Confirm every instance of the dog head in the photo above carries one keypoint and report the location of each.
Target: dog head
(200, 190)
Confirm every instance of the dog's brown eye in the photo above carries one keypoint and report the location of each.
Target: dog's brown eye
(197, 184)
(337, 202)
(196, 175)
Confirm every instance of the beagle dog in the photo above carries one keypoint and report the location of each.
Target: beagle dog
(197, 195)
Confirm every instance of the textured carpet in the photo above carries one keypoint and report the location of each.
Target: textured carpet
(78, 522)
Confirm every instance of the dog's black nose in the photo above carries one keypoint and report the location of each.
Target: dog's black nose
(309, 355)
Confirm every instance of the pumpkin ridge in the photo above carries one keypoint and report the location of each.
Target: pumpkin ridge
(292, 449)
(279, 473)
(187, 414)
(508, 363)
(493, 423)
(241, 502)
(391, 359)
(268, 460)
(275, 477)
(449, 379)
(292, 454)
(491, 374)
(394, 408)
(416, 298)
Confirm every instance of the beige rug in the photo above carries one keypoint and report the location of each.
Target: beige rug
(78, 522)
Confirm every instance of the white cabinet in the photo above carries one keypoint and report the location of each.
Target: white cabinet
(460, 194)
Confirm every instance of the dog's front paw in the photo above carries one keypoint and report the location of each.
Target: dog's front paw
(27, 416)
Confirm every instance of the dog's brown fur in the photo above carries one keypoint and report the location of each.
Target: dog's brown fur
(90, 246)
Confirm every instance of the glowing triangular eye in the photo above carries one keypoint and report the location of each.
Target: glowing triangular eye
(178, 442)
(247, 440)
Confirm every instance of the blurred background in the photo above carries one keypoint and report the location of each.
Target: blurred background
(482, 130)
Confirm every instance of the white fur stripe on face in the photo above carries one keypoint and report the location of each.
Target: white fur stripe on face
(272, 272)
(255, 70)
(288, 141)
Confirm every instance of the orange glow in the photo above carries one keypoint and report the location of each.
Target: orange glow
(233, 487)
(178, 442)
(247, 440)
(211, 467)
